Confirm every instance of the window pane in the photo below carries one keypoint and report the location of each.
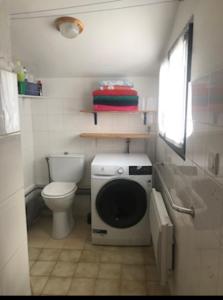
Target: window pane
(175, 127)
(173, 92)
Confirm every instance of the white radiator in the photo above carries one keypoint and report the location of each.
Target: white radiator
(162, 235)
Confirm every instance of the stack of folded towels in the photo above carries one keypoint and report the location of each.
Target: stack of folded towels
(115, 95)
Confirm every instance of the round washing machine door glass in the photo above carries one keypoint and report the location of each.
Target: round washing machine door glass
(121, 203)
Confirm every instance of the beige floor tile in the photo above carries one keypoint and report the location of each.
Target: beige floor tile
(42, 268)
(37, 241)
(87, 270)
(40, 231)
(133, 272)
(80, 234)
(31, 263)
(64, 269)
(109, 271)
(89, 246)
(70, 255)
(74, 243)
(154, 289)
(149, 256)
(82, 287)
(49, 254)
(133, 258)
(107, 287)
(54, 244)
(116, 249)
(37, 285)
(57, 286)
(111, 257)
(133, 287)
(91, 256)
(34, 253)
(152, 273)
(133, 250)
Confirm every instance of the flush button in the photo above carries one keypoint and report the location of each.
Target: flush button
(120, 171)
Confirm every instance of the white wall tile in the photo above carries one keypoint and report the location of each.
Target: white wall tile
(54, 106)
(15, 280)
(12, 226)
(39, 106)
(40, 122)
(209, 271)
(10, 166)
(60, 117)
(41, 171)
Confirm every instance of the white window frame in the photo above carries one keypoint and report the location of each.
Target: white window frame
(174, 85)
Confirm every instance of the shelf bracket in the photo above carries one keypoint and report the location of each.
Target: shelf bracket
(95, 118)
(128, 145)
(145, 118)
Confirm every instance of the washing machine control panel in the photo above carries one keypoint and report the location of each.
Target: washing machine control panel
(120, 171)
(140, 170)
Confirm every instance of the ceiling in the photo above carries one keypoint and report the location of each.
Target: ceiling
(119, 42)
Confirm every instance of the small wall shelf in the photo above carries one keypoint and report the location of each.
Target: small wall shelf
(31, 97)
(44, 97)
(115, 135)
(95, 113)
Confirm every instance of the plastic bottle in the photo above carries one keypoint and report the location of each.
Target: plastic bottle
(20, 71)
(25, 73)
(40, 87)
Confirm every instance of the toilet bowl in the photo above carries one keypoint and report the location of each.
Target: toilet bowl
(59, 197)
(65, 172)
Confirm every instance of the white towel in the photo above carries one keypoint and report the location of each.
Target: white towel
(9, 103)
(120, 82)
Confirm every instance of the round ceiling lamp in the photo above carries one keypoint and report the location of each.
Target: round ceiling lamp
(69, 27)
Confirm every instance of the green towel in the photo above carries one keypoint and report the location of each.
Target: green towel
(116, 100)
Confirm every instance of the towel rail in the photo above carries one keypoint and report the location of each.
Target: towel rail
(189, 211)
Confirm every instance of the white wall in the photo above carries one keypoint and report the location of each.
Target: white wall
(198, 256)
(114, 43)
(14, 269)
(27, 143)
(57, 122)
(5, 48)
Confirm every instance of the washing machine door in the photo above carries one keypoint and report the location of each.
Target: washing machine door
(121, 203)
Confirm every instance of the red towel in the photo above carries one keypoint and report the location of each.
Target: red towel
(114, 108)
(115, 92)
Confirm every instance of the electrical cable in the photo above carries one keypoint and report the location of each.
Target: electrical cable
(98, 10)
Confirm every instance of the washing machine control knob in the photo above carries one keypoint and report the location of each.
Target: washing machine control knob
(120, 171)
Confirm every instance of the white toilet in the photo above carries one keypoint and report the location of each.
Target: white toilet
(65, 172)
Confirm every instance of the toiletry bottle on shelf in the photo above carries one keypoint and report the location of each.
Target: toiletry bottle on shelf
(40, 87)
(25, 73)
(20, 71)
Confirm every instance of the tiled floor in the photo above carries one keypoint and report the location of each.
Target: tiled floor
(74, 266)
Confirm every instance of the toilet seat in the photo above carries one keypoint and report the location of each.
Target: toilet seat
(59, 189)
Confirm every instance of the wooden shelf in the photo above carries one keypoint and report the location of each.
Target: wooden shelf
(126, 136)
(118, 111)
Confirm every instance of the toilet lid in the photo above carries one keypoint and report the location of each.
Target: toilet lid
(58, 189)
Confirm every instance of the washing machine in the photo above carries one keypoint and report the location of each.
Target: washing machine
(121, 185)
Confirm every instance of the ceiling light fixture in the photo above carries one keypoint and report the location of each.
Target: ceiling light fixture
(69, 27)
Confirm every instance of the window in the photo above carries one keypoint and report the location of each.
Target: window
(175, 75)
